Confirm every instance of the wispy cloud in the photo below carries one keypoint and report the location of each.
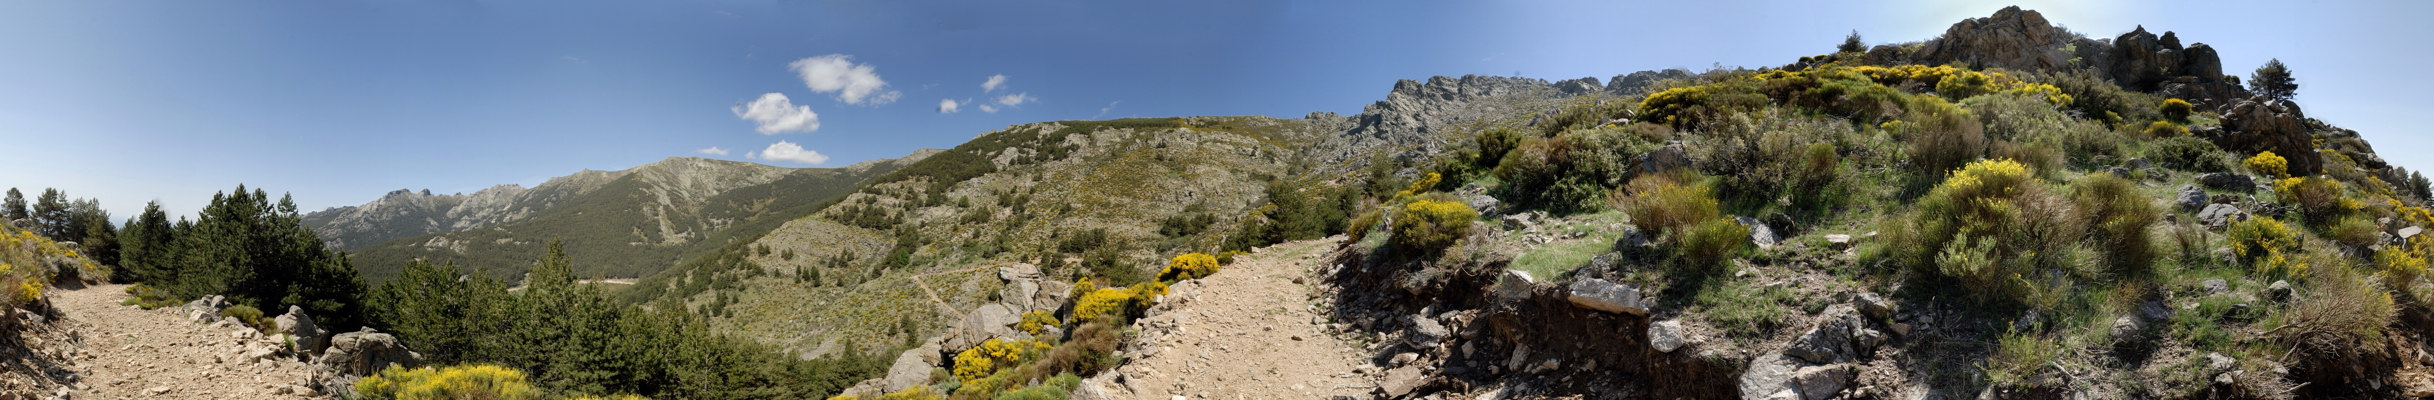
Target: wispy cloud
(713, 150)
(994, 82)
(1111, 106)
(788, 152)
(949, 106)
(574, 59)
(853, 83)
(773, 114)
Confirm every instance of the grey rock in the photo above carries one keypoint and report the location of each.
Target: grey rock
(1663, 159)
(1488, 206)
(1401, 381)
(1838, 241)
(1770, 377)
(2138, 164)
(1514, 285)
(1637, 82)
(2126, 326)
(2278, 291)
(1606, 262)
(2409, 232)
(2228, 181)
(1426, 333)
(2215, 286)
(911, 369)
(1579, 86)
(1667, 336)
(1633, 240)
(1830, 341)
(2220, 362)
(309, 336)
(1873, 305)
(1602, 295)
(2191, 197)
(2220, 216)
(358, 354)
(1820, 383)
(2012, 38)
(1759, 233)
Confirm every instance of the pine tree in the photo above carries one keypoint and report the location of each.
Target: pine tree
(1851, 44)
(144, 253)
(14, 209)
(2424, 188)
(51, 215)
(2274, 80)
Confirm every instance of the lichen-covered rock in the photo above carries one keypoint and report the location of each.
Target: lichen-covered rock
(2219, 216)
(308, 335)
(2012, 38)
(2265, 124)
(2190, 198)
(1667, 336)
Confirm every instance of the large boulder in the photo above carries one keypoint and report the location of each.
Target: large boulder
(2219, 216)
(308, 335)
(1602, 295)
(2012, 38)
(2228, 181)
(912, 368)
(2142, 61)
(357, 354)
(205, 309)
(988, 322)
(1663, 159)
(2190, 198)
(1759, 233)
(2265, 124)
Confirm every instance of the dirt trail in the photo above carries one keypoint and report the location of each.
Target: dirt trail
(122, 351)
(1249, 332)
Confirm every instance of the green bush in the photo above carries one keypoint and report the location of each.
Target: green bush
(1493, 145)
(1762, 158)
(2319, 200)
(2354, 230)
(1940, 136)
(1991, 219)
(1965, 84)
(2120, 215)
(2188, 154)
(2265, 244)
(249, 316)
(1567, 172)
(1431, 223)
(1664, 205)
(1707, 246)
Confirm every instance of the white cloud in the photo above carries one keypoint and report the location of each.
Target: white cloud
(713, 150)
(949, 106)
(789, 152)
(775, 114)
(853, 83)
(995, 81)
(1016, 99)
(1111, 106)
(988, 108)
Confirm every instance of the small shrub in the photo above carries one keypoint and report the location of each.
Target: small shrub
(2319, 200)
(247, 315)
(2402, 264)
(1189, 266)
(2166, 129)
(1225, 258)
(2018, 359)
(1965, 84)
(2355, 230)
(2264, 243)
(2121, 215)
(1664, 205)
(1431, 224)
(1708, 245)
(2340, 317)
(1090, 349)
(980, 361)
(1357, 230)
(1941, 136)
(1036, 321)
(1116, 305)
(2187, 154)
(1493, 145)
(453, 382)
(2176, 110)
(2268, 164)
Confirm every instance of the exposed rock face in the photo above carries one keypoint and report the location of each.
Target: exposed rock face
(2190, 197)
(2219, 216)
(1638, 82)
(911, 368)
(2140, 60)
(1416, 115)
(2228, 181)
(2264, 124)
(2012, 38)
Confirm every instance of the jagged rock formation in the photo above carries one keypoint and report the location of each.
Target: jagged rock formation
(2140, 60)
(2012, 38)
(2264, 124)
(1416, 116)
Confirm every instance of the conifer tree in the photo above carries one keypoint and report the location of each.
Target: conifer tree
(1851, 44)
(14, 209)
(2274, 80)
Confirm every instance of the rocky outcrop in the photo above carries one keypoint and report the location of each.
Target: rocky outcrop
(1601, 295)
(1637, 83)
(354, 355)
(2261, 124)
(308, 336)
(2012, 38)
(2141, 60)
(1416, 115)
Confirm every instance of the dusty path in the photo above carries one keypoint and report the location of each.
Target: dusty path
(933, 295)
(132, 353)
(1249, 332)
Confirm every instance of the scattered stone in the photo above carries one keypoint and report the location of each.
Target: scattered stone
(2219, 216)
(1759, 233)
(1426, 333)
(157, 390)
(1827, 343)
(1514, 285)
(1667, 336)
(2228, 181)
(2278, 291)
(1838, 241)
(2191, 197)
(1872, 304)
(2220, 362)
(1820, 383)
(1602, 295)
(1401, 381)
(1405, 358)
(2125, 327)
(2215, 286)
(1668, 158)
(1770, 377)
(2409, 232)
(308, 335)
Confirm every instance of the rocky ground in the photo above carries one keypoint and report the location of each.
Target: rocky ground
(1252, 331)
(98, 349)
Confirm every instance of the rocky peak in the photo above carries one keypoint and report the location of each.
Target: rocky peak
(1415, 114)
(2012, 38)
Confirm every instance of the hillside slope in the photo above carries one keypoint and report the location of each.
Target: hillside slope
(617, 223)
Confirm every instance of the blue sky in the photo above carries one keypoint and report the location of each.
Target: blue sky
(341, 101)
